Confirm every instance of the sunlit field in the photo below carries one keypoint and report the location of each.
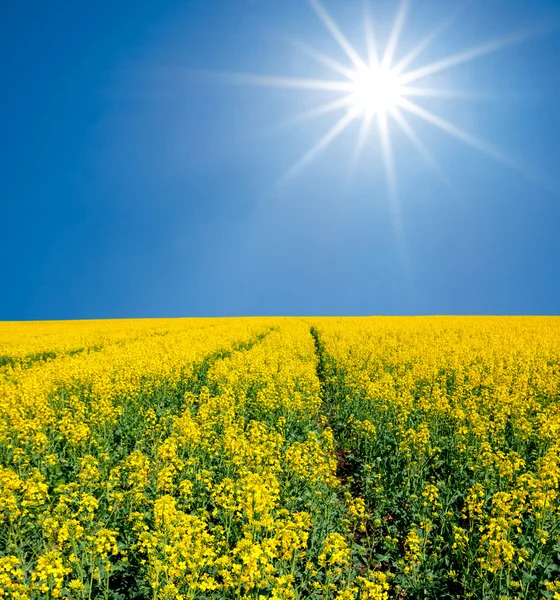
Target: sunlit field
(282, 458)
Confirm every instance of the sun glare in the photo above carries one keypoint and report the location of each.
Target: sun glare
(383, 88)
(377, 89)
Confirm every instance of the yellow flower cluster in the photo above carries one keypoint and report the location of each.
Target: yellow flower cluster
(171, 460)
(27, 342)
(453, 424)
(281, 458)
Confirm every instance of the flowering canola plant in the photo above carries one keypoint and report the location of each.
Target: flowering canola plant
(452, 426)
(282, 458)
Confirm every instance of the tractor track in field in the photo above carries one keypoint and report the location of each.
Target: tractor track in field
(345, 469)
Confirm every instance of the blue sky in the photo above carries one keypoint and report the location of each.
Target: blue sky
(137, 182)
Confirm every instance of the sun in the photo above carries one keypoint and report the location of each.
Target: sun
(380, 91)
(376, 90)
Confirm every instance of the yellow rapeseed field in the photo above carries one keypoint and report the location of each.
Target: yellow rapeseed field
(283, 458)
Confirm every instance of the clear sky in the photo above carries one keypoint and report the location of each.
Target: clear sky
(141, 179)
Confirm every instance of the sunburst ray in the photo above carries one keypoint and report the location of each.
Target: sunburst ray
(486, 148)
(409, 131)
(468, 55)
(365, 129)
(395, 34)
(413, 137)
(387, 151)
(310, 155)
(312, 113)
(294, 83)
(471, 140)
(426, 41)
(324, 59)
(428, 92)
(371, 44)
(394, 204)
(337, 34)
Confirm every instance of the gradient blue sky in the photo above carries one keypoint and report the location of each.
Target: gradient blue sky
(136, 185)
